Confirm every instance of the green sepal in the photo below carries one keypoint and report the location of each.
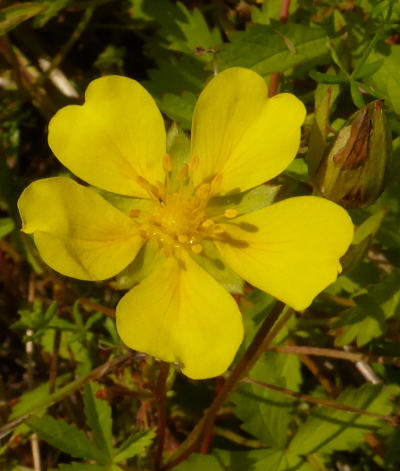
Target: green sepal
(146, 261)
(246, 202)
(178, 147)
(319, 134)
(211, 260)
(126, 203)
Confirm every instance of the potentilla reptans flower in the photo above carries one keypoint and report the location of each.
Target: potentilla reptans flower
(241, 138)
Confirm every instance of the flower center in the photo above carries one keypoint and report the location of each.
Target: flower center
(179, 218)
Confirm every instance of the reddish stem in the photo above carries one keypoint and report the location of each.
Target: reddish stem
(205, 446)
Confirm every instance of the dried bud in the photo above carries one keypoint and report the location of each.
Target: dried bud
(355, 170)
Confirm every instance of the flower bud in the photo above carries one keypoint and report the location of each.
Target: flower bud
(355, 171)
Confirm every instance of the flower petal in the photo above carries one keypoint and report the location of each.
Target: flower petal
(76, 231)
(290, 249)
(237, 130)
(115, 136)
(180, 313)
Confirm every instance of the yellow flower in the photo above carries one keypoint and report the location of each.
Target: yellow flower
(240, 138)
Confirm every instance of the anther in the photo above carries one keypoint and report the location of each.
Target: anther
(183, 172)
(218, 229)
(230, 213)
(197, 248)
(216, 183)
(167, 163)
(134, 213)
(208, 223)
(194, 163)
(203, 191)
(183, 238)
(160, 189)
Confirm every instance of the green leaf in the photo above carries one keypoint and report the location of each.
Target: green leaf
(331, 429)
(197, 462)
(270, 10)
(298, 170)
(327, 78)
(368, 319)
(266, 414)
(6, 226)
(319, 134)
(98, 416)
(179, 108)
(66, 437)
(386, 79)
(261, 460)
(369, 69)
(362, 240)
(12, 16)
(134, 445)
(176, 75)
(265, 48)
(183, 30)
(53, 8)
(31, 400)
(75, 466)
(356, 95)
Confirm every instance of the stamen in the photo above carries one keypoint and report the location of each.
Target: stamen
(208, 223)
(160, 190)
(167, 163)
(183, 172)
(183, 238)
(151, 190)
(134, 213)
(194, 163)
(203, 191)
(197, 248)
(216, 183)
(230, 213)
(218, 229)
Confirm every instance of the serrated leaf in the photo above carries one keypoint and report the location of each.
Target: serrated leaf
(12, 16)
(264, 48)
(367, 320)
(75, 466)
(385, 80)
(66, 437)
(271, 459)
(197, 462)
(329, 429)
(134, 445)
(179, 108)
(266, 414)
(98, 416)
(31, 400)
(6, 226)
(327, 78)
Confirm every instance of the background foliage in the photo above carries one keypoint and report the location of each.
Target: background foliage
(325, 396)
